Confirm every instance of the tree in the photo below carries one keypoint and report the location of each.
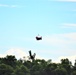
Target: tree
(5, 69)
(73, 73)
(9, 60)
(22, 70)
(65, 63)
(50, 68)
(74, 67)
(27, 64)
(60, 71)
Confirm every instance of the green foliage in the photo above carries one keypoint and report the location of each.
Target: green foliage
(65, 63)
(5, 69)
(73, 73)
(60, 71)
(22, 70)
(9, 65)
(9, 60)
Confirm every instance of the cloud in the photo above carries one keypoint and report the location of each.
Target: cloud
(58, 46)
(4, 5)
(58, 54)
(68, 25)
(14, 6)
(11, 6)
(19, 53)
(63, 0)
(59, 39)
(67, 0)
(70, 36)
(71, 58)
(55, 46)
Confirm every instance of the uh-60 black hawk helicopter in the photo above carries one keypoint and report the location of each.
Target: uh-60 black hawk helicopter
(38, 37)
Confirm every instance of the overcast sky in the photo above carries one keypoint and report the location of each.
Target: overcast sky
(22, 20)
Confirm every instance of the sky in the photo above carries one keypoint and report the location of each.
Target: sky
(22, 20)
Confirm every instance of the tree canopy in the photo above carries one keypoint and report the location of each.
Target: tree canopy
(9, 65)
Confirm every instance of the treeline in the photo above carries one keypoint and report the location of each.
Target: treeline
(9, 65)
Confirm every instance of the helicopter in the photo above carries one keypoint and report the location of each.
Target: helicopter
(38, 37)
